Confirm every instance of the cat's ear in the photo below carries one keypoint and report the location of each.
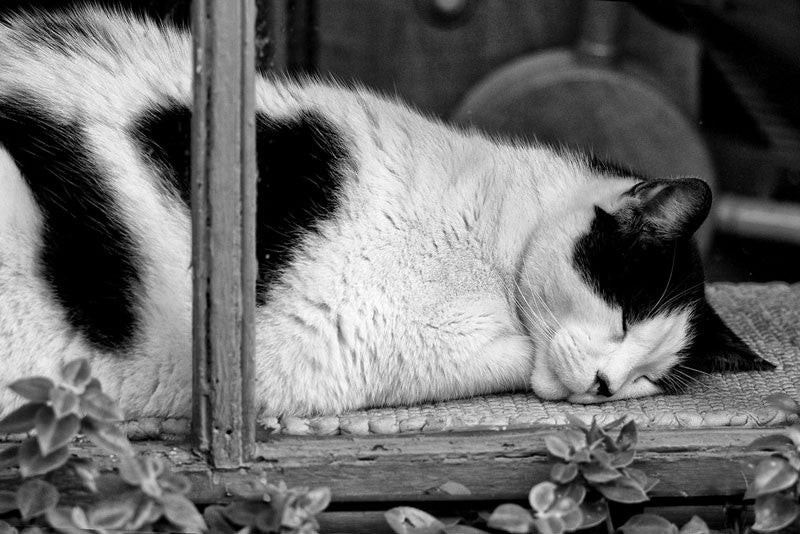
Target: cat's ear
(718, 349)
(672, 208)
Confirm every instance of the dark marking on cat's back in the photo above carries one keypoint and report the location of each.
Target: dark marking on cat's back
(88, 257)
(163, 135)
(299, 161)
(300, 164)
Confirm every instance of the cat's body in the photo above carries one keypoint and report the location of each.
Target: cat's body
(401, 260)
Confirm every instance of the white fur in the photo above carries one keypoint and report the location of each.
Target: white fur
(449, 256)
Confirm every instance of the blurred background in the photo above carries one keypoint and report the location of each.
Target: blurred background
(670, 87)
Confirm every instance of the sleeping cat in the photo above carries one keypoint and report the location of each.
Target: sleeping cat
(400, 260)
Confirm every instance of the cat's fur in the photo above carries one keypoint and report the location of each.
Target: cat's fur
(400, 260)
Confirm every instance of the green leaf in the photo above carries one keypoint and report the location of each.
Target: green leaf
(316, 500)
(64, 401)
(648, 524)
(623, 458)
(593, 513)
(35, 497)
(53, 433)
(575, 438)
(582, 456)
(408, 520)
(8, 501)
(574, 491)
(462, 529)
(147, 511)
(628, 437)
(602, 457)
(454, 488)
(773, 442)
(131, 470)
(774, 512)
(8, 456)
(542, 496)
(35, 388)
(100, 406)
(20, 420)
(112, 514)
(695, 526)
(557, 446)
(595, 432)
(563, 473)
(773, 474)
(181, 512)
(510, 518)
(577, 422)
(640, 478)
(269, 520)
(783, 402)
(106, 436)
(153, 466)
(550, 524)
(569, 512)
(615, 423)
(215, 519)
(244, 513)
(624, 490)
(32, 462)
(599, 474)
(174, 483)
(60, 518)
(79, 519)
(5, 528)
(87, 472)
(77, 373)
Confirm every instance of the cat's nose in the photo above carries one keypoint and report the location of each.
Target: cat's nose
(602, 386)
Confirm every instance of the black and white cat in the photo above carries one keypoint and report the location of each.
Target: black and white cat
(401, 260)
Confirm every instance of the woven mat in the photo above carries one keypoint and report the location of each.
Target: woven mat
(767, 316)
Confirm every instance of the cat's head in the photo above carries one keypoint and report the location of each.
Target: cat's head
(612, 292)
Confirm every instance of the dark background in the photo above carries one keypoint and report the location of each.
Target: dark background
(732, 68)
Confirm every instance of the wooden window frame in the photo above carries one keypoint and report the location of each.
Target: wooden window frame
(364, 472)
(496, 464)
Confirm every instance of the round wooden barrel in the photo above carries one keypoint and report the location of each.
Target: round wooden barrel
(578, 99)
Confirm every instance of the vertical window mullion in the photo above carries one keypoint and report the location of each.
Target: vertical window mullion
(223, 226)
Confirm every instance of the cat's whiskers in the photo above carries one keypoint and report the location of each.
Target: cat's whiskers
(669, 279)
(534, 318)
(692, 369)
(544, 304)
(675, 297)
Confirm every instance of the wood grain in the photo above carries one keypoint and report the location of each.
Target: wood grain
(493, 465)
(223, 205)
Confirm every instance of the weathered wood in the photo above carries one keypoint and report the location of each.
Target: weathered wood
(494, 466)
(223, 196)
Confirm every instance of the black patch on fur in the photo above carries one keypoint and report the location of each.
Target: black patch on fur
(641, 276)
(163, 134)
(629, 268)
(88, 257)
(298, 159)
(299, 164)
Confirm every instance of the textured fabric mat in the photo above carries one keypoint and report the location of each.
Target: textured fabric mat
(766, 316)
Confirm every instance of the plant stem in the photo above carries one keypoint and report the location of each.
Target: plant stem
(609, 524)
